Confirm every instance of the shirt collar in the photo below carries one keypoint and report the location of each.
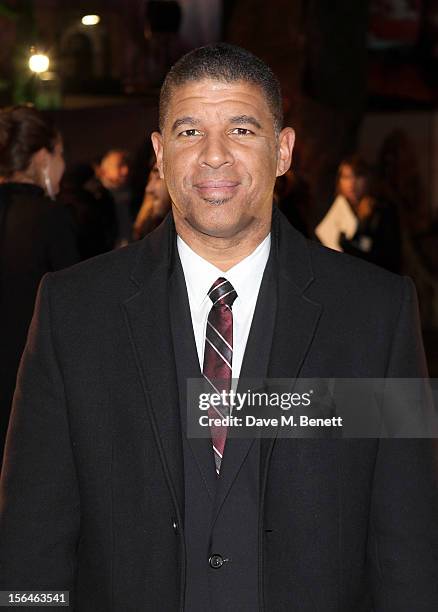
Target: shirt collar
(200, 274)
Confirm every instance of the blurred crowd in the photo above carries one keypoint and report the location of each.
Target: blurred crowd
(377, 213)
(51, 218)
(106, 209)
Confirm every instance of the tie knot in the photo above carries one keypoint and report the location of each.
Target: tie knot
(222, 293)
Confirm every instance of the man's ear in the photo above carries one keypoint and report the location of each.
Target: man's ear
(286, 146)
(157, 143)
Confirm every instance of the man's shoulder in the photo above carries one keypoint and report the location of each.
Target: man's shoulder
(341, 276)
(100, 275)
(342, 265)
(328, 272)
(111, 278)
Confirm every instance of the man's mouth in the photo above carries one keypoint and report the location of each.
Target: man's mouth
(216, 189)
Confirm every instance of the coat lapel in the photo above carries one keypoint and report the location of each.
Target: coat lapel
(297, 316)
(148, 325)
(284, 325)
(253, 372)
(188, 367)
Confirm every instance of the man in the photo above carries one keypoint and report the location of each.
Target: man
(104, 492)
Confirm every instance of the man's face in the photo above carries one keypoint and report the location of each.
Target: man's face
(113, 170)
(219, 155)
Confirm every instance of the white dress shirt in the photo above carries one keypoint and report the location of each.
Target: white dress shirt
(246, 277)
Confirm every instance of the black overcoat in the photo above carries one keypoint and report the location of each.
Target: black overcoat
(92, 486)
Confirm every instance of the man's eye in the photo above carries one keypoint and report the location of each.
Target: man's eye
(191, 132)
(242, 132)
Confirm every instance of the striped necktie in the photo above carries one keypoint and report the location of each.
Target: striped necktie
(218, 356)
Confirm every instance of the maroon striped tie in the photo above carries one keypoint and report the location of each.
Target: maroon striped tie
(218, 356)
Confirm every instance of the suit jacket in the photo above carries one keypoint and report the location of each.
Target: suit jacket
(92, 491)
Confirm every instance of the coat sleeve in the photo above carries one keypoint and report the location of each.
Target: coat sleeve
(39, 499)
(403, 532)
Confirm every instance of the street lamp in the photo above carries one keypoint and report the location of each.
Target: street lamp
(39, 63)
(90, 20)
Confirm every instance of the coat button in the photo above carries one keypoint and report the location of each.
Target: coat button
(175, 525)
(216, 561)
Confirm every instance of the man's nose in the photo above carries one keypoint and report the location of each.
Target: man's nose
(215, 151)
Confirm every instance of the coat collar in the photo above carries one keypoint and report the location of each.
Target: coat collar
(292, 253)
(157, 250)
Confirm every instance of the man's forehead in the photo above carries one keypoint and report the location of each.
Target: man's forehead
(213, 91)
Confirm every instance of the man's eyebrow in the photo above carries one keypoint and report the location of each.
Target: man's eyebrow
(184, 121)
(245, 119)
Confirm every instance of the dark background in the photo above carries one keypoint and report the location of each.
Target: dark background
(351, 72)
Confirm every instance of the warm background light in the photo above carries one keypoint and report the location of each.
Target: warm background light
(39, 63)
(90, 20)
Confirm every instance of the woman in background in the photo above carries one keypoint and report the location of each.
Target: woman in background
(342, 218)
(360, 222)
(36, 236)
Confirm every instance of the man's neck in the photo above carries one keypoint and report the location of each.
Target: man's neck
(223, 253)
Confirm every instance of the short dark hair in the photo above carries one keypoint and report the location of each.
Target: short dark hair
(228, 63)
(23, 131)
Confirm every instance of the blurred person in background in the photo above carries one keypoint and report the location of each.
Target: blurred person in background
(156, 205)
(400, 184)
(359, 222)
(342, 218)
(94, 216)
(292, 196)
(399, 181)
(87, 213)
(36, 236)
(111, 189)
